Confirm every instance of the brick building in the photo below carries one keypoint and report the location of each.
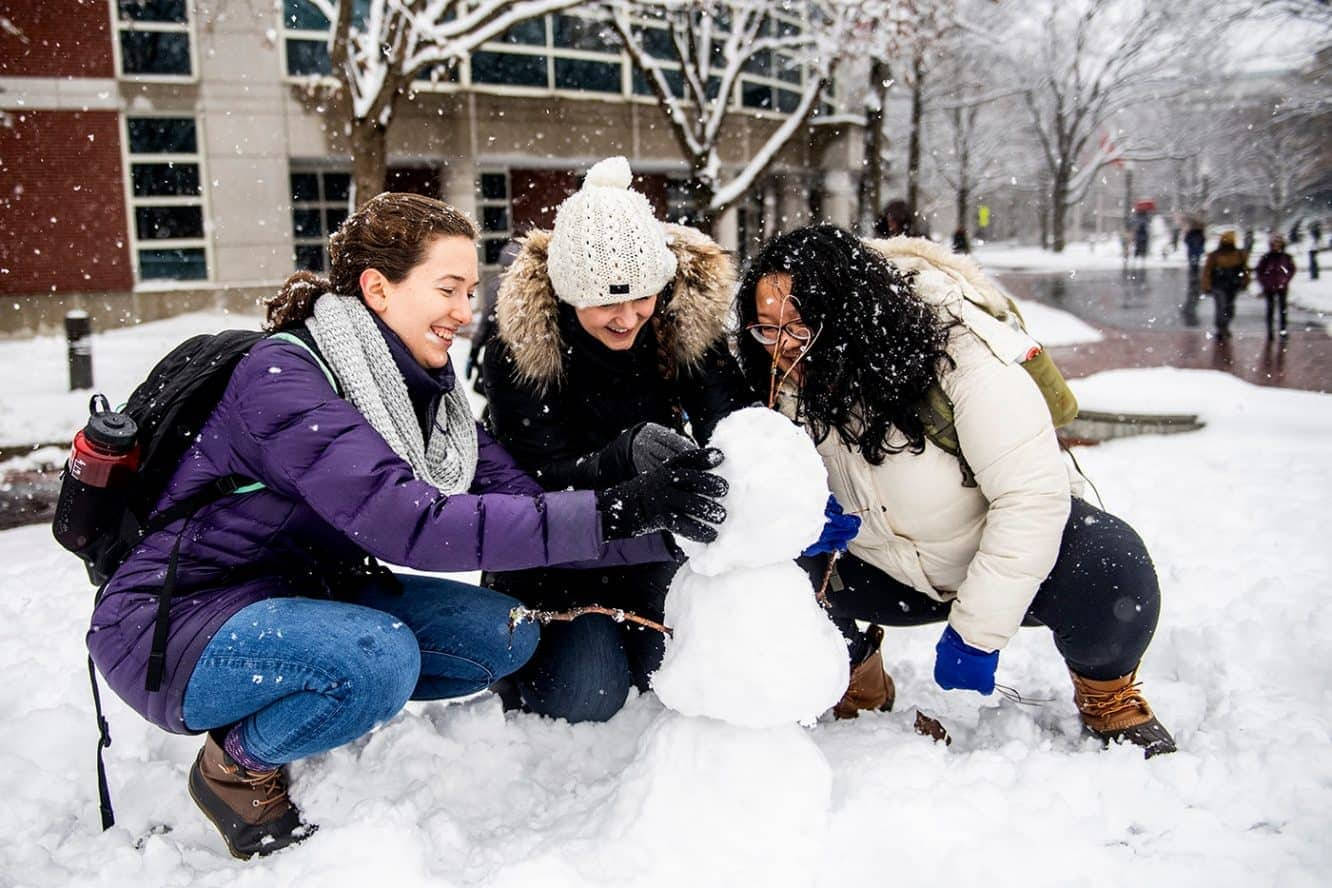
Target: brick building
(159, 155)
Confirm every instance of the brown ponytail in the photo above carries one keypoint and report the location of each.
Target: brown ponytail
(295, 301)
(390, 234)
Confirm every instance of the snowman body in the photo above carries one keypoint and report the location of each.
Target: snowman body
(752, 656)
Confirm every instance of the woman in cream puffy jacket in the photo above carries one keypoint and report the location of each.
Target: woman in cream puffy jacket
(847, 336)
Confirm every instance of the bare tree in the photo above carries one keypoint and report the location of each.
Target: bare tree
(378, 57)
(1094, 59)
(692, 56)
(881, 29)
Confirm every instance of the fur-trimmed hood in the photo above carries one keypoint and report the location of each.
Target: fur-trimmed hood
(527, 310)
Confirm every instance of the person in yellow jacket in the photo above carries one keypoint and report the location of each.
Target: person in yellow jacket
(1225, 274)
(847, 336)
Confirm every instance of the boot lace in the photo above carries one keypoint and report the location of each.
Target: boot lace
(1104, 704)
(270, 783)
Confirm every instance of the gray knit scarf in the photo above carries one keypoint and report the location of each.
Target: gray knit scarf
(355, 349)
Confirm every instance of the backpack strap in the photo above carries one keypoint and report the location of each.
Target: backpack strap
(295, 337)
(103, 741)
(936, 415)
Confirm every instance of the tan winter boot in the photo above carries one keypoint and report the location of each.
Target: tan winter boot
(870, 686)
(1115, 710)
(250, 808)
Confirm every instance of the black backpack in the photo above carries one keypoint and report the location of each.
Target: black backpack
(1228, 278)
(169, 409)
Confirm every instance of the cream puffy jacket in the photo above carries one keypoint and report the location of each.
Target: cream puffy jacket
(986, 548)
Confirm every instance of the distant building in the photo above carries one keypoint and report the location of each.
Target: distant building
(161, 161)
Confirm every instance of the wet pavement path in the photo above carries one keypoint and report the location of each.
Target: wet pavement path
(1155, 318)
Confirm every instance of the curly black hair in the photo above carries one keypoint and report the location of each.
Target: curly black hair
(879, 346)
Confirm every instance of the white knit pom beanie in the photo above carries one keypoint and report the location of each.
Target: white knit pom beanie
(607, 246)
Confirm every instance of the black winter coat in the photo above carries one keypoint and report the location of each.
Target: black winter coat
(565, 406)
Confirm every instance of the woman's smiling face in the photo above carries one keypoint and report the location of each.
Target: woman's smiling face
(428, 306)
(616, 326)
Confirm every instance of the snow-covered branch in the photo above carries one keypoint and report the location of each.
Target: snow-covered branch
(714, 44)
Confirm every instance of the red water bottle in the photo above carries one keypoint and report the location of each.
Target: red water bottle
(91, 509)
(105, 451)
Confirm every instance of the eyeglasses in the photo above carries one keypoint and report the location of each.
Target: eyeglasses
(771, 334)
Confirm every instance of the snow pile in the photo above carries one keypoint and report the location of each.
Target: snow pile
(756, 788)
(753, 803)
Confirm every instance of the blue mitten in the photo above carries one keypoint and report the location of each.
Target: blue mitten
(838, 530)
(958, 665)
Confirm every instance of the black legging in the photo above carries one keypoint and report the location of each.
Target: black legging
(1101, 600)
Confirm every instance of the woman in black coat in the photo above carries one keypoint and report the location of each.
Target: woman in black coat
(611, 357)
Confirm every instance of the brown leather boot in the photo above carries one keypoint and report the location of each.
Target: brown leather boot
(250, 808)
(870, 686)
(1115, 710)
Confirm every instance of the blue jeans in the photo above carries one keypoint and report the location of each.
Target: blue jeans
(304, 675)
(583, 669)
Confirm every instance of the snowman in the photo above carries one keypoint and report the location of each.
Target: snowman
(727, 772)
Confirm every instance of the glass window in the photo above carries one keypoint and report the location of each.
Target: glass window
(495, 218)
(301, 16)
(589, 35)
(674, 80)
(587, 75)
(152, 10)
(492, 248)
(168, 222)
(787, 101)
(153, 38)
(162, 135)
(306, 223)
(163, 179)
(493, 207)
(155, 52)
(166, 197)
(529, 33)
(755, 95)
(189, 264)
(337, 186)
(759, 63)
(304, 186)
(494, 186)
(657, 43)
(509, 69)
(334, 218)
(309, 257)
(320, 202)
(308, 57)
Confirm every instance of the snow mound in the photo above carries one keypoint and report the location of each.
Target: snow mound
(752, 803)
(778, 491)
(715, 664)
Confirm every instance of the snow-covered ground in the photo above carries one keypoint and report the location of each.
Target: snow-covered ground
(1082, 255)
(1235, 516)
(1314, 295)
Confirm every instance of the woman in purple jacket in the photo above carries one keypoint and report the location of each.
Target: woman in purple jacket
(282, 644)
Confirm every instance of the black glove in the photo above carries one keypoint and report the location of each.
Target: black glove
(655, 445)
(679, 497)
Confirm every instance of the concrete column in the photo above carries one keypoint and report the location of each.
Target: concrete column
(839, 198)
(727, 230)
(459, 185)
